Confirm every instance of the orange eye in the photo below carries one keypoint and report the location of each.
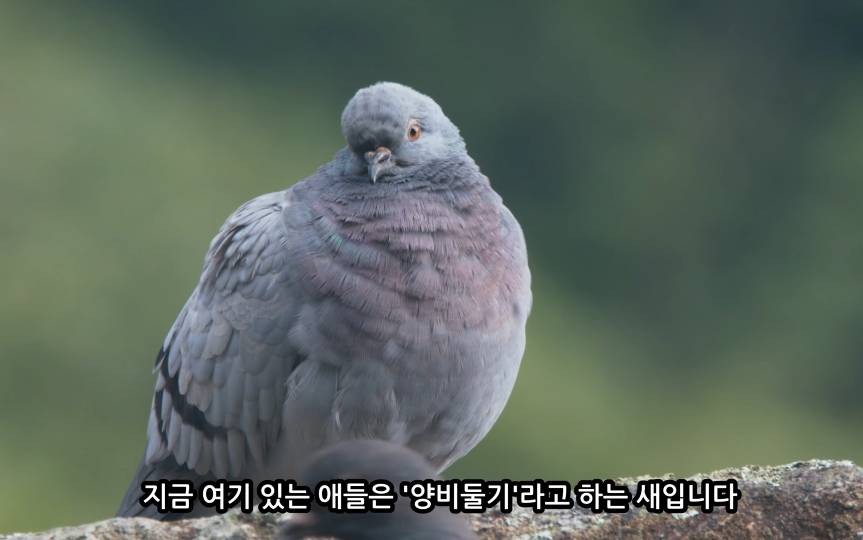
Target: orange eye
(414, 131)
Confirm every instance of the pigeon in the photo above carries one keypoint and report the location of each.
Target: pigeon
(383, 297)
(372, 460)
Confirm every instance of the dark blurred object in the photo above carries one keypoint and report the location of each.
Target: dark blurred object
(373, 460)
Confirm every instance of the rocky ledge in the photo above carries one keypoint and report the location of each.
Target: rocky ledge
(807, 499)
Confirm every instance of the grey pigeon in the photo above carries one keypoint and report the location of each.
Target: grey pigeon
(384, 297)
(373, 460)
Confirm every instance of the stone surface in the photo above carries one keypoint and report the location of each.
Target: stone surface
(809, 499)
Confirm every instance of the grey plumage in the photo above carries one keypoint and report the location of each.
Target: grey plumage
(373, 460)
(385, 296)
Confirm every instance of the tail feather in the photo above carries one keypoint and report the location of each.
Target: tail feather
(167, 469)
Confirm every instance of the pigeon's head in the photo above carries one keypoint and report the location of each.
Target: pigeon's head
(389, 127)
(365, 459)
(371, 461)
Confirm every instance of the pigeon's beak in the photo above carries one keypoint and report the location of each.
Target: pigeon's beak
(379, 161)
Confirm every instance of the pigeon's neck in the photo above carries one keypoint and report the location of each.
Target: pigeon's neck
(444, 208)
(415, 247)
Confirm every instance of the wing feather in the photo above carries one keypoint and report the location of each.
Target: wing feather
(220, 373)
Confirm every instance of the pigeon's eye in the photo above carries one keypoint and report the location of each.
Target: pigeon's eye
(414, 130)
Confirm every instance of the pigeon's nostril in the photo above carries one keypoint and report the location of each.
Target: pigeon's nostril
(379, 155)
(382, 154)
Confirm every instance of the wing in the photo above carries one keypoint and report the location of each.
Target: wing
(220, 374)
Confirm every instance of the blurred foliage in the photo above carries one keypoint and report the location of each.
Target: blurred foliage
(687, 174)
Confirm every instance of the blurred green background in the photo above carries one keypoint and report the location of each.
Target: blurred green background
(688, 175)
